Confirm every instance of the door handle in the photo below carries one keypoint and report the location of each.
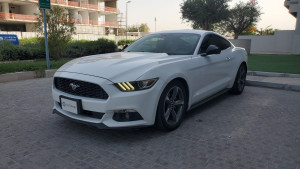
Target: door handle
(228, 58)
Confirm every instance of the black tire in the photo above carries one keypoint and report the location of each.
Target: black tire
(171, 107)
(240, 81)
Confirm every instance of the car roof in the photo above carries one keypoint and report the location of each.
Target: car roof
(200, 32)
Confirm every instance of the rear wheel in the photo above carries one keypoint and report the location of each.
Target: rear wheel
(240, 81)
(171, 107)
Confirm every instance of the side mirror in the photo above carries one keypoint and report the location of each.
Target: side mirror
(212, 49)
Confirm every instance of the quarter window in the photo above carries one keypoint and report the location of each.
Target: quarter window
(214, 40)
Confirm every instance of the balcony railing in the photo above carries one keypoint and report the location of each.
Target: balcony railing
(62, 2)
(72, 3)
(93, 22)
(111, 24)
(21, 17)
(110, 9)
(85, 21)
(84, 5)
(91, 6)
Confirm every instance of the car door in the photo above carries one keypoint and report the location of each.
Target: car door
(210, 74)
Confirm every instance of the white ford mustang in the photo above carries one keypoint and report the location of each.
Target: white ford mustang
(154, 81)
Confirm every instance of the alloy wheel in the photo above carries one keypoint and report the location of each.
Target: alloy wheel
(174, 105)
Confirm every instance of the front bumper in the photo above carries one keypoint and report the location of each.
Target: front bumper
(144, 102)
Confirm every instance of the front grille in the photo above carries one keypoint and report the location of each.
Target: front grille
(82, 88)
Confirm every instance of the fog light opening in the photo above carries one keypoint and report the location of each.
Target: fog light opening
(126, 115)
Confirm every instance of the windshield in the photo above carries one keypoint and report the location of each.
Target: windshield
(170, 43)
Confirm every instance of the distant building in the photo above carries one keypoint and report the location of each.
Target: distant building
(97, 17)
(283, 41)
(294, 9)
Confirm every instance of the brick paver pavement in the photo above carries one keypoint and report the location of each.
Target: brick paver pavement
(258, 129)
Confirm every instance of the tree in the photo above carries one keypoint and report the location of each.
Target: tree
(241, 17)
(204, 13)
(251, 30)
(144, 28)
(267, 31)
(133, 28)
(141, 28)
(60, 30)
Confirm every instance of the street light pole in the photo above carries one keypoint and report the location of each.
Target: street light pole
(127, 18)
(155, 23)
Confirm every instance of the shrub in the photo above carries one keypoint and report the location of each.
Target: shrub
(10, 52)
(124, 42)
(85, 48)
(32, 49)
(31, 41)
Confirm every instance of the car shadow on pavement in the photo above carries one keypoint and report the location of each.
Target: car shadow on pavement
(192, 113)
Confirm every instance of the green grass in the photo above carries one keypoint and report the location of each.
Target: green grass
(37, 65)
(274, 63)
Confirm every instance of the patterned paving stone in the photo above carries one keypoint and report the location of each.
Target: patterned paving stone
(258, 129)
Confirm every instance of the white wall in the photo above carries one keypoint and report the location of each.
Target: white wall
(281, 42)
(31, 9)
(30, 27)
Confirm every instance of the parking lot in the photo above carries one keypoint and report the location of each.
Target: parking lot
(258, 129)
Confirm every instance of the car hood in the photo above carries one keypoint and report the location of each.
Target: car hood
(116, 67)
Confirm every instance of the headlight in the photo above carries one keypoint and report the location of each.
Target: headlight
(136, 85)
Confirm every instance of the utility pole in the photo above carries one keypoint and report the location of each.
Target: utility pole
(127, 18)
(155, 23)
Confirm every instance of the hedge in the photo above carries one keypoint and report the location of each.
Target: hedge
(84, 48)
(26, 51)
(32, 49)
(124, 42)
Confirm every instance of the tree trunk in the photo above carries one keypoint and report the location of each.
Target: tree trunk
(236, 35)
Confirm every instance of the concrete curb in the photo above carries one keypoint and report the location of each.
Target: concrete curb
(271, 74)
(273, 85)
(10, 77)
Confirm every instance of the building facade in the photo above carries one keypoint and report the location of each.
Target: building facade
(98, 17)
(294, 9)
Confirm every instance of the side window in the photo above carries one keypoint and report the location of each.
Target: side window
(205, 43)
(224, 44)
(214, 40)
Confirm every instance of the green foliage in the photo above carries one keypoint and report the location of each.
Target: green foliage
(144, 28)
(124, 42)
(141, 28)
(204, 13)
(9, 52)
(29, 50)
(27, 41)
(266, 31)
(133, 28)
(251, 30)
(36, 65)
(241, 17)
(84, 48)
(60, 30)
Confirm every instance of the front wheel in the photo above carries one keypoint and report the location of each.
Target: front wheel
(171, 107)
(240, 81)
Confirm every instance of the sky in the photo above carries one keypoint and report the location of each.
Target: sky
(167, 13)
